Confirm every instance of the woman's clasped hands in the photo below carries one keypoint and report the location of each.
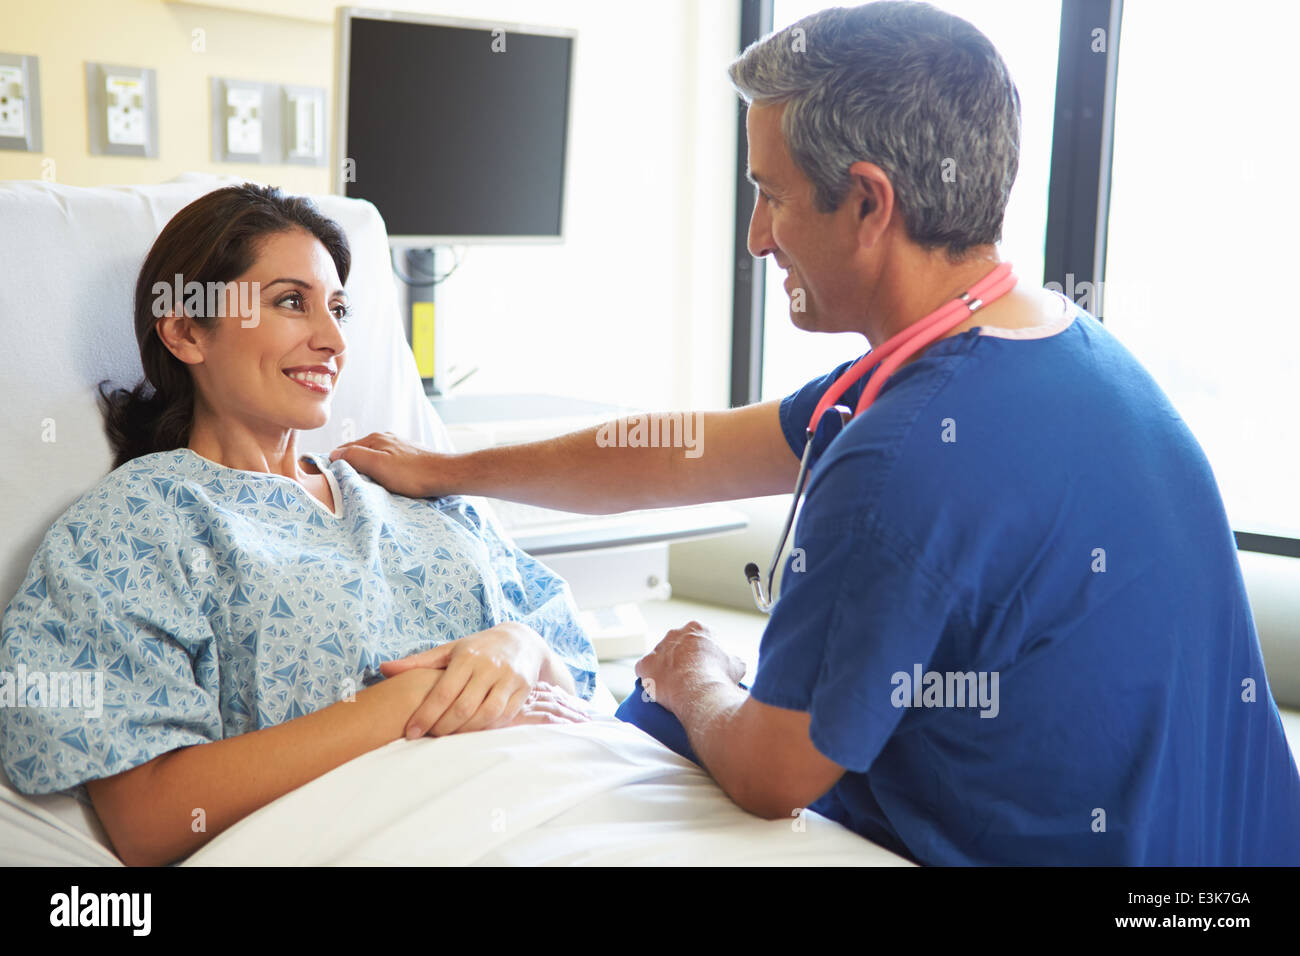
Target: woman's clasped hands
(501, 677)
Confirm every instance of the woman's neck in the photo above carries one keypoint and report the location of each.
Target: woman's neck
(243, 449)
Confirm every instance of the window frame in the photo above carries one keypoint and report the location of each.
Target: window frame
(750, 274)
(1078, 206)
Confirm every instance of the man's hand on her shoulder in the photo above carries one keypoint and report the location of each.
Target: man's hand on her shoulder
(402, 467)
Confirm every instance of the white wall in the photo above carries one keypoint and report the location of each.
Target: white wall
(635, 306)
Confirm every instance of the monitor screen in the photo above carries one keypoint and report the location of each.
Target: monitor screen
(456, 131)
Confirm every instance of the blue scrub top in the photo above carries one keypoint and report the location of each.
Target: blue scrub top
(1015, 614)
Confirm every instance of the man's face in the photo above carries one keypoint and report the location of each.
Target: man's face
(816, 249)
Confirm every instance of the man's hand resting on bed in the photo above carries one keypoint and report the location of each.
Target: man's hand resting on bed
(686, 659)
(487, 681)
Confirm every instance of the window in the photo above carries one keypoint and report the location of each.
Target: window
(1201, 237)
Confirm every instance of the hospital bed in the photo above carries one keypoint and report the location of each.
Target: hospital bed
(599, 792)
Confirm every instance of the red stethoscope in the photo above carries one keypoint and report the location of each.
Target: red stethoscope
(893, 353)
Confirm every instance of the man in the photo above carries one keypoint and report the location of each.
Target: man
(1013, 628)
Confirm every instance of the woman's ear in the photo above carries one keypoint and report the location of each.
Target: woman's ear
(177, 332)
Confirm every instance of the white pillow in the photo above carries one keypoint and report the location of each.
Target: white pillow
(71, 256)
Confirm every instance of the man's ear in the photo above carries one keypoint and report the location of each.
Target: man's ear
(873, 195)
(177, 332)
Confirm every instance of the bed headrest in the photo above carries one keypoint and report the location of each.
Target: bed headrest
(70, 257)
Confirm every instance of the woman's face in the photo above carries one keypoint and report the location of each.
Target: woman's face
(274, 366)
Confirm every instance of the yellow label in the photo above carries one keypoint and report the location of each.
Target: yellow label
(422, 337)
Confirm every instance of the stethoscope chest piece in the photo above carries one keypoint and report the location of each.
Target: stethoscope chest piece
(763, 594)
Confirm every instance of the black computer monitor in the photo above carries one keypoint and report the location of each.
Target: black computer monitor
(456, 130)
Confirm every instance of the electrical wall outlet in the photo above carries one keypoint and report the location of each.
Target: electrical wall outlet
(125, 110)
(255, 122)
(20, 103)
(244, 115)
(303, 111)
(13, 101)
(245, 121)
(122, 105)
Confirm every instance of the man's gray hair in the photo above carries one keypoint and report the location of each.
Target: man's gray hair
(918, 92)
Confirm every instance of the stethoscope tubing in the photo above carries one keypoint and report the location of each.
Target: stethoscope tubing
(892, 354)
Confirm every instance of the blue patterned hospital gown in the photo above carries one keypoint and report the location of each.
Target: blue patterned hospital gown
(214, 601)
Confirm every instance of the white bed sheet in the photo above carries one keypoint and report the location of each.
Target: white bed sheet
(51, 830)
(599, 793)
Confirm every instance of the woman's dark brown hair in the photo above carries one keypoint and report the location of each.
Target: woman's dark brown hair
(214, 239)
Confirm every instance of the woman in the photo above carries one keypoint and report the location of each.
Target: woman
(242, 603)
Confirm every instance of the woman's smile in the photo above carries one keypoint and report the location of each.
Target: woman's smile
(313, 378)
